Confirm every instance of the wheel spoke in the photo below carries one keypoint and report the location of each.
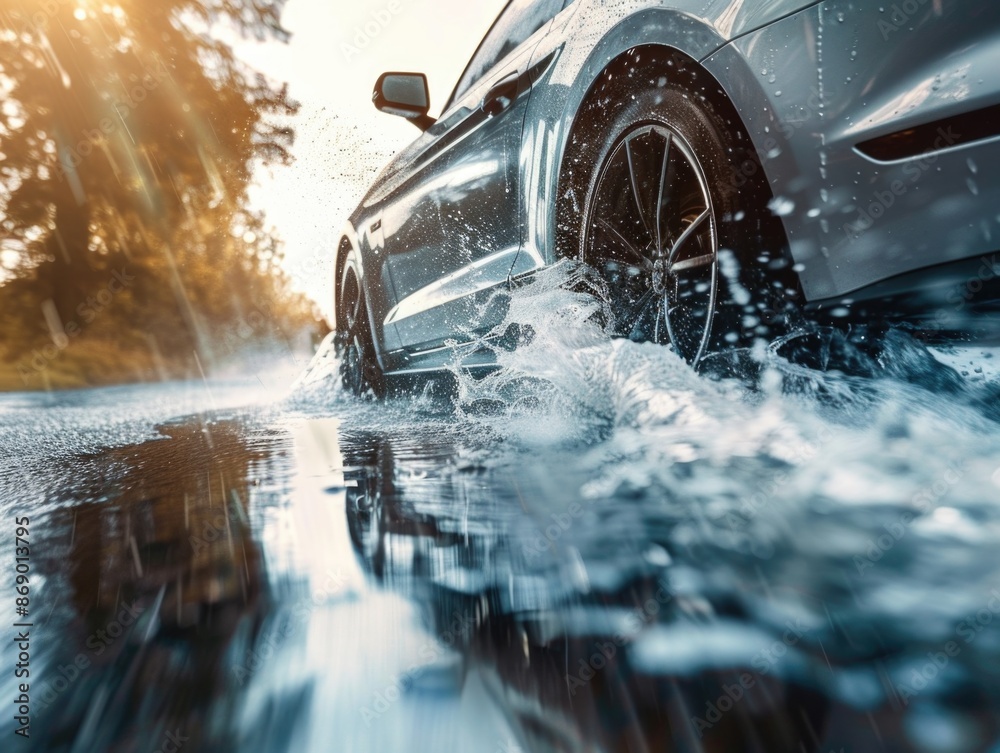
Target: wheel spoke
(670, 328)
(351, 302)
(672, 241)
(659, 318)
(634, 178)
(355, 314)
(693, 263)
(643, 261)
(659, 199)
(689, 231)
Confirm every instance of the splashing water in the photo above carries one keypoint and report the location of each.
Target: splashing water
(864, 504)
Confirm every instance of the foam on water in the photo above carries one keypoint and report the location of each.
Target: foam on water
(865, 502)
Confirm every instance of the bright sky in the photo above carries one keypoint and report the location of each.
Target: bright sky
(337, 52)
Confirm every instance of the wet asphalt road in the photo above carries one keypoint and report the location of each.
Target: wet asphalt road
(659, 563)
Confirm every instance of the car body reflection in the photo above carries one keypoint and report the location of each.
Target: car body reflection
(166, 586)
(558, 662)
(208, 584)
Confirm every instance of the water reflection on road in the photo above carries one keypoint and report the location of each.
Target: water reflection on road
(661, 571)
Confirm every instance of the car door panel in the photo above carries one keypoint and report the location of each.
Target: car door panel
(453, 230)
(446, 232)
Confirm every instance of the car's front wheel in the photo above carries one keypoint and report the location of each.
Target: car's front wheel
(685, 243)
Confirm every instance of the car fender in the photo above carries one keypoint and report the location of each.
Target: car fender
(694, 29)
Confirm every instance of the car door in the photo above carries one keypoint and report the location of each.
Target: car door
(452, 229)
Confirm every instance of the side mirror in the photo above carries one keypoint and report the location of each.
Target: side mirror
(405, 95)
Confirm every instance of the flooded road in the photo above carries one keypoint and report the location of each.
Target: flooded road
(593, 549)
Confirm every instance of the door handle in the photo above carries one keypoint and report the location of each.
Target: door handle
(501, 95)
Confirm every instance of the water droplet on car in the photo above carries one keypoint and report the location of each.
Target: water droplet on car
(781, 206)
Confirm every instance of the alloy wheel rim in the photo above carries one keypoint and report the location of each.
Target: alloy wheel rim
(653, 235)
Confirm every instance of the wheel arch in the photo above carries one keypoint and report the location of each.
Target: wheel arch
(591, 91)
(703, 35)
(344, 248)
(350, 242)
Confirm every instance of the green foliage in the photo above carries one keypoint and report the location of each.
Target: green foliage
(128, 139)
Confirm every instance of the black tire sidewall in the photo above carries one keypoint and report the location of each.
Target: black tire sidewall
(360, 336)
(669, 92)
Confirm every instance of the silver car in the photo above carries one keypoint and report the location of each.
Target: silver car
(720, 163)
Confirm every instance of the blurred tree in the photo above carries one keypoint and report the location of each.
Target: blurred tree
(128, 137)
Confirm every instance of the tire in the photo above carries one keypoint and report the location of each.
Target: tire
(360, 373)
(671, 218)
